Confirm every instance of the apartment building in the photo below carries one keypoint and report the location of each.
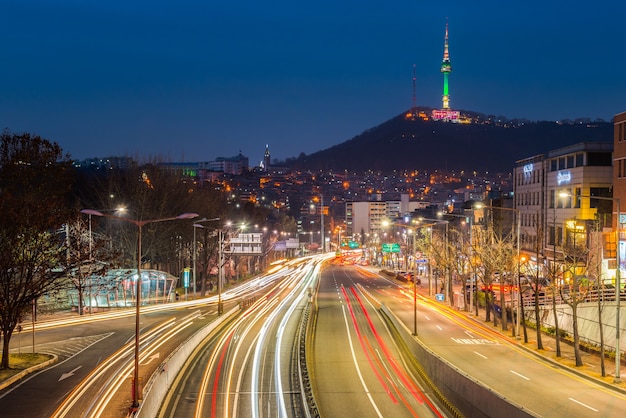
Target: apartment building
(552, 194)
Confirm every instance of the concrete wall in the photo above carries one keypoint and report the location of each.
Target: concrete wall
(587, 321)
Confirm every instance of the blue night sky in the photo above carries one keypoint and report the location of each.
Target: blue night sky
(188, 80)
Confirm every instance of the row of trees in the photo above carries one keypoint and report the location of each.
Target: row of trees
(46, 244)
(491, 258)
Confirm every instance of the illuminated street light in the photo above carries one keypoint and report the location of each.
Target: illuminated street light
(471, 256)
(195, 255)
(517, 245)
(119, 209)
(139, 223)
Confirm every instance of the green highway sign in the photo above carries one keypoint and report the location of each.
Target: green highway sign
(391, 248)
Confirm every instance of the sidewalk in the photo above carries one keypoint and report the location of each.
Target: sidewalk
(591, 368)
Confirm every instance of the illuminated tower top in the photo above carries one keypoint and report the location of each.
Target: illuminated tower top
(446, 67)
(266, 158)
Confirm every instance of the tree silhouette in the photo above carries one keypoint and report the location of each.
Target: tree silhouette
(35, 185)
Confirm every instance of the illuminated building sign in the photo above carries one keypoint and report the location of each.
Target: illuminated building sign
(528, 168)
(445, 114)
(563, 177)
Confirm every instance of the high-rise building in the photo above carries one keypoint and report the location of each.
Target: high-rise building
(266, 158)
(619, 178)
(552, 196)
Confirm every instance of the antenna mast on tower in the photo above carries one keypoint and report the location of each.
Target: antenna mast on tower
(414, 108)
(446, 68)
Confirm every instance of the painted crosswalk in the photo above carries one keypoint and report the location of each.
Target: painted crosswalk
(64, 349)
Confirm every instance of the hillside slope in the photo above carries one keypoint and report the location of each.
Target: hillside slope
(401, 144)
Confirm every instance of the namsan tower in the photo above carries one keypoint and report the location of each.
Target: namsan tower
(446, 68)
(445, 113)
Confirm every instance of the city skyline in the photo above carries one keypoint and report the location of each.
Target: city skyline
(193, 81)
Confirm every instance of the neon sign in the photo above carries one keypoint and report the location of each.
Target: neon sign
(563, 177)
(528, 168)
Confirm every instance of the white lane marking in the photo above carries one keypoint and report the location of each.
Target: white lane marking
(478, 354)
(520, 375)
(583, 404)
(439, 328)
(470, 334)
(356, 364)
(426, 316)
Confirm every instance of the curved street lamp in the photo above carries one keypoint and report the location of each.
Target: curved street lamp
(139, 223)
(517, 245)
(197, 224)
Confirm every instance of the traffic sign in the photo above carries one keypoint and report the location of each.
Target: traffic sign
(391, 248)
(421, 260)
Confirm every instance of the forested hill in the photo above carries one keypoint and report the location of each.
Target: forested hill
(486, 145)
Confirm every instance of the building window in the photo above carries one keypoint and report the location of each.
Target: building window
(570, 161)
(599, 159)
(577, 194)
(580, 159)
(553, 164)
(566, 201)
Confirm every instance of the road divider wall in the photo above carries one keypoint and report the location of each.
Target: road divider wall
(161, 380)
(470, 397)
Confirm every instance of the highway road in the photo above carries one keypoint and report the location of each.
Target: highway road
(535, 385)
(250, 368)
(96, 353)
(358, 370)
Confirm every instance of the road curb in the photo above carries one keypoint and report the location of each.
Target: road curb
(25, 372)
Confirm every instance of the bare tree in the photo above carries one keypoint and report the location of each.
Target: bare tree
(35, 185)
(496, 255)
(87, 255)
(574, 291)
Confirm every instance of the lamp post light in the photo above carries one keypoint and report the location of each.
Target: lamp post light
(195, 255)
(471, 255)
(119, 209)
(618, 279)
(446, 252)
(139, 223)
(517, 245)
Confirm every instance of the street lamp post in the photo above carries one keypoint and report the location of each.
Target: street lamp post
(517, 245)
(414, 228)
(471, 256)
(195, 255)
(446, 252)
(139, 223)
(119, 209)
(220, 269)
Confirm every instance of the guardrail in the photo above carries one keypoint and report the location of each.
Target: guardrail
(606, 295)
(306, 391)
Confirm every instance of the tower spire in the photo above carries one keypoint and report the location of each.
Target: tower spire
(266, 158)
(446, 67)
(414, 108)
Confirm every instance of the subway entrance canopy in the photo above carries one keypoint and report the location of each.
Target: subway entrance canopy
(117, 288)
